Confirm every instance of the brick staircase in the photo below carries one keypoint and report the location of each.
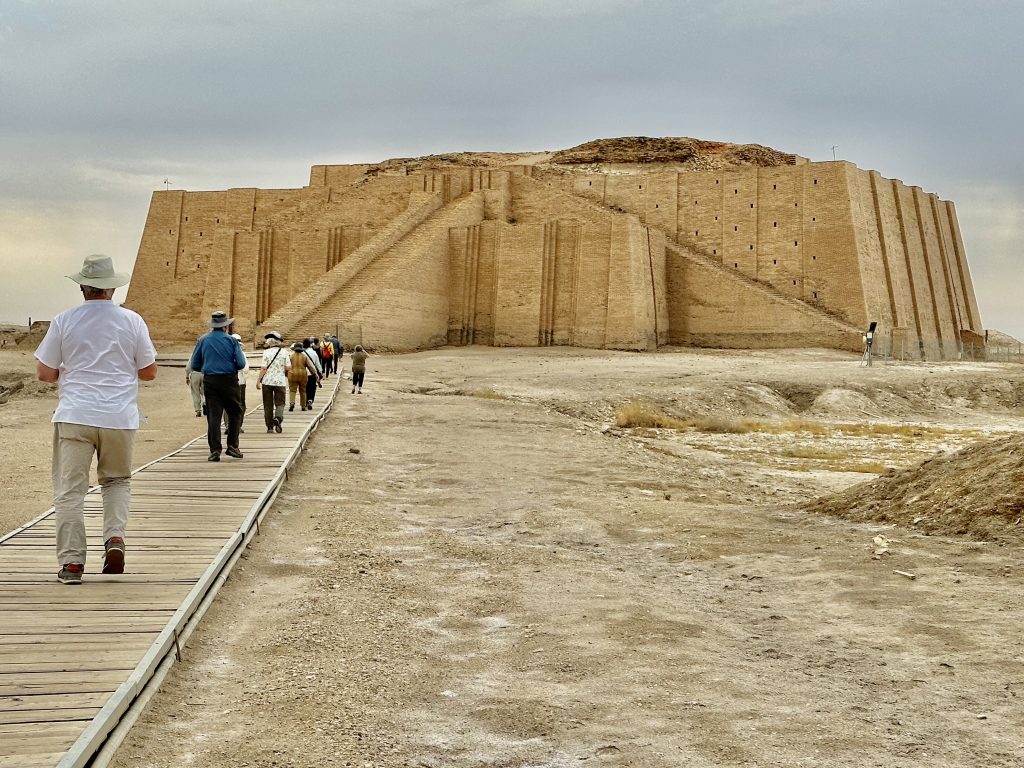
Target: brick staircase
(287, 318)
(348, 296)
(699, 255)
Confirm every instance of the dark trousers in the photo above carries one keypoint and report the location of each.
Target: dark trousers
(310, 389)
(221, 390)
(241, 399)
(357, 378)
(273, 404)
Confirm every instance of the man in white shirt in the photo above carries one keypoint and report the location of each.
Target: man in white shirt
(97, 352)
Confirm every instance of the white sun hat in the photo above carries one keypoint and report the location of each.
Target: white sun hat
(98, 272)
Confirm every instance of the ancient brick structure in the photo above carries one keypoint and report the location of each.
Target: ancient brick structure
(594, 251)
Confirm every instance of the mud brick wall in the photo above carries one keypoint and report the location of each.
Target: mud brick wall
(798, 254)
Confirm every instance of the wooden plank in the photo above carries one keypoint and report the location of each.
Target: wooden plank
(104, 662)
(25, 683)
(44, 702)
(46, 716)
(33, 760)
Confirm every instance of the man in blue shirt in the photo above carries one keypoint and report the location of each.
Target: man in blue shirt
(219, 358)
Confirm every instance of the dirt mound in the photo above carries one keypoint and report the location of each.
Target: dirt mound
(1000, 339)
(842, 404)
(15, 384)
(978, 491)
(676, 151)
(669, 149)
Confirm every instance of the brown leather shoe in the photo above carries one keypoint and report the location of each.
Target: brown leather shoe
(113, 555)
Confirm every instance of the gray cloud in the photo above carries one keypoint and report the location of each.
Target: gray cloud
(103, 100)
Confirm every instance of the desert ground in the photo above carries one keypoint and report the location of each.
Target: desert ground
(562, 557)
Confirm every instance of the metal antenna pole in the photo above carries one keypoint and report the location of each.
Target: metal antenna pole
(834, 148)
(167, 184)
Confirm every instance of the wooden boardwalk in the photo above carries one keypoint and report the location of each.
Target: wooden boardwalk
(74, 659)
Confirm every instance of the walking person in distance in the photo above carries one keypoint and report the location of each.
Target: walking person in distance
(313, 381)
(358, 358)
(242, 374)
(273, 380)
(194, 380)
(301, 369)
(98, 352)
(220, 358)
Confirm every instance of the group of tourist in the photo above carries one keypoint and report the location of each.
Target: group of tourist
(296, 370)
(99, 351)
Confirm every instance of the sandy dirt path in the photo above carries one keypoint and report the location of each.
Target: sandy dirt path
(497, 578)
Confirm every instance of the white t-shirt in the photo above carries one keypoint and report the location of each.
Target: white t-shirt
(99, 348)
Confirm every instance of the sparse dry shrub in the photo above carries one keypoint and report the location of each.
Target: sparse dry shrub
(807, 452)
(868, 467)
(720, 425)
(487, 394)
(640, 413)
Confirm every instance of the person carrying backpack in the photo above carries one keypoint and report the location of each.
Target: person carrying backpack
(327, 353)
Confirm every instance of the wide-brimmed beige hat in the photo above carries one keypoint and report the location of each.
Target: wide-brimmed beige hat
(98, 272)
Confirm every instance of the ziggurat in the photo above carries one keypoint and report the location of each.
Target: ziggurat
(622, 244)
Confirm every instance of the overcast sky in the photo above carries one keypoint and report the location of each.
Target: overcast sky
(101, 101)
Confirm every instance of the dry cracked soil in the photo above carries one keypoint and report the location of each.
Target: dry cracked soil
(474, 565)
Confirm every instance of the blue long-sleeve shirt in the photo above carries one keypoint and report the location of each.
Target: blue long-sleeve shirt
(217, 353)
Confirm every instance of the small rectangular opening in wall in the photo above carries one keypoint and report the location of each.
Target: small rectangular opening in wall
(218, 221)
(775, 186)
(796, 242)
(815, 181)
(170, 231)
(655, 205)
(815, 294)
(736, 265)
(714, 251)
(751, 246)
(751, 205)
(775, 223)
(167, 263)
(716, 181)
(794, 282)
(775, 261)
(813, 218)
(200, 233)
(735, 191)
(696, 232)
(814, 258)
(796, 205)
(716, 218)
(735, 229)
(639, 186)
(694, 202)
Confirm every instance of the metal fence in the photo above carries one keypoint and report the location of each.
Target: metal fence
(995, 354)
(893, 347)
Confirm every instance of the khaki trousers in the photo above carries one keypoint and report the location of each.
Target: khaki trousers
(297, 386)
(73, 449)
(195, 384)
